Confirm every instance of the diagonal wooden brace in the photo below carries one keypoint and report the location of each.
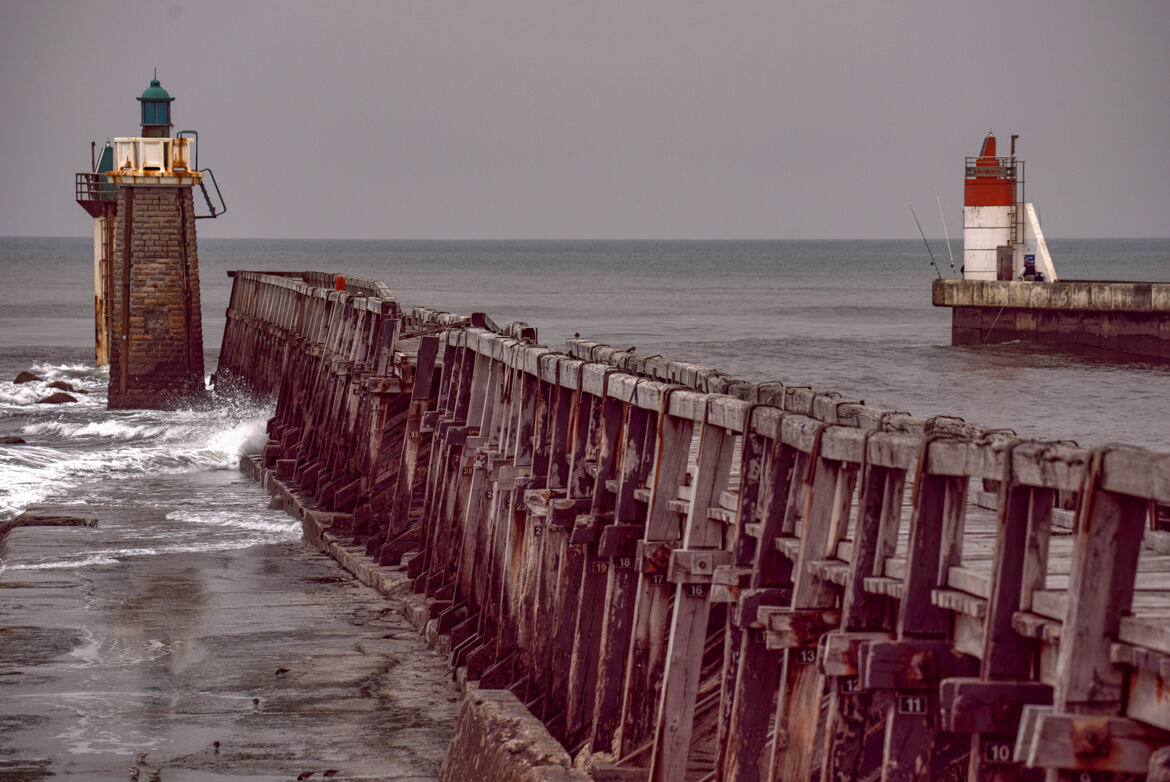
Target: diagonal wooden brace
(790, 628)
(911, 664)
(983, 706)
(1048, 739)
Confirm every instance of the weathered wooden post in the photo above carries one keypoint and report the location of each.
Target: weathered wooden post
(606, 420)
(691, 569)
(1086, 733)
(652, 604)
(768, 465)
(616, 547)
(912, 667)
(990, 706)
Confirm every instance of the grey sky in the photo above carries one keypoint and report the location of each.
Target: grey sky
(590, 119)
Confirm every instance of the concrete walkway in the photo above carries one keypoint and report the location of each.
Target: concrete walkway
(259, 663)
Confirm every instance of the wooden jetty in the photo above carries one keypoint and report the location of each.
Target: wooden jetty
(684, 576)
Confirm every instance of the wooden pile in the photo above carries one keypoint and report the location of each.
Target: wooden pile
(685, 576)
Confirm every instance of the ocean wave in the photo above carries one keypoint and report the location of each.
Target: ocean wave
(89, 393)
(109, 428)
(114, 556)
(90, 560)
(13, 395)
(246, 437)
(77, 369)
(71, 447)
(278, 523)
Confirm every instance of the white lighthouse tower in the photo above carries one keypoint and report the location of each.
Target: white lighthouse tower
(1002, 239)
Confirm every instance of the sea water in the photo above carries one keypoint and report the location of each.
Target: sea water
(847, 316)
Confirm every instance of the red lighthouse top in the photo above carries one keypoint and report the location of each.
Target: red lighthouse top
(990, 180)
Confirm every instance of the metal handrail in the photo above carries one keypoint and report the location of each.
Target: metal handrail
(207, 197)
(91, 186)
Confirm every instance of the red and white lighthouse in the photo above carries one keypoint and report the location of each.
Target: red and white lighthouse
(1002, 239)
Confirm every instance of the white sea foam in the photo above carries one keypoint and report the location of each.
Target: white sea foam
(23, 480)
(72, 446)
(75, 370)
(113, 556)
(89, 560)
(246, 437)
(281, 525)
(22, 395)
(118, 430)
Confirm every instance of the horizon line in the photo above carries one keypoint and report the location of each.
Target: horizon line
(581, 239)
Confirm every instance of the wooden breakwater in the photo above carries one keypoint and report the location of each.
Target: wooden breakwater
(686, 576)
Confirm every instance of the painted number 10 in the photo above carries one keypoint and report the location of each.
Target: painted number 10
(997, 752)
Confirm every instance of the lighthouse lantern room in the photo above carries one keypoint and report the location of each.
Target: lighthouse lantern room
(156, 110)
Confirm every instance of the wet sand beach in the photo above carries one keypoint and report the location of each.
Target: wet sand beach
(272, 651)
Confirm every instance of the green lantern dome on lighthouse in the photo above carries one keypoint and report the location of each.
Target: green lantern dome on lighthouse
(156, 110)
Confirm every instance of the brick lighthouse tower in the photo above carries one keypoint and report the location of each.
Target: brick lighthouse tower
(146, 265)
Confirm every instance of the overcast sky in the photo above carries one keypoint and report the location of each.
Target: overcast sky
(595, 119)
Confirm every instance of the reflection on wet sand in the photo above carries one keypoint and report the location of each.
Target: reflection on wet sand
(262, 661)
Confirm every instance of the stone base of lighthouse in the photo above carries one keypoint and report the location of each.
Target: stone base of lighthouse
(156, 333)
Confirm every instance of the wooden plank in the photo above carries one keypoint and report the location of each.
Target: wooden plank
(595, 577)
(1007, 657)
(911, 721)
(652, 602)
(639, 431)
(1107, 544)
(797, 712)
(850, 708)
(748, 755)
(689, 621)
(745, 501)
(1091, 743)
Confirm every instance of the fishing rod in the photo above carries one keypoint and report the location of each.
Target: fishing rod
(945, 232)
(932, 263)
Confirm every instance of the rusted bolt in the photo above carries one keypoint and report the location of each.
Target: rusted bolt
(1090, 738)
(1005, 709)
(921, 665)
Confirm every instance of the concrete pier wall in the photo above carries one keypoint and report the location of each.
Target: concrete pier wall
(1121, 317)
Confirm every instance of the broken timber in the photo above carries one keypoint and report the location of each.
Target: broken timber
(686, 576)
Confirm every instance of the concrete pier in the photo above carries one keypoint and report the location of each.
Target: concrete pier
(1119, 317)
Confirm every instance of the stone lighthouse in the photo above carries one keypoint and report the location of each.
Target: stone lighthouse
(146, 266)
